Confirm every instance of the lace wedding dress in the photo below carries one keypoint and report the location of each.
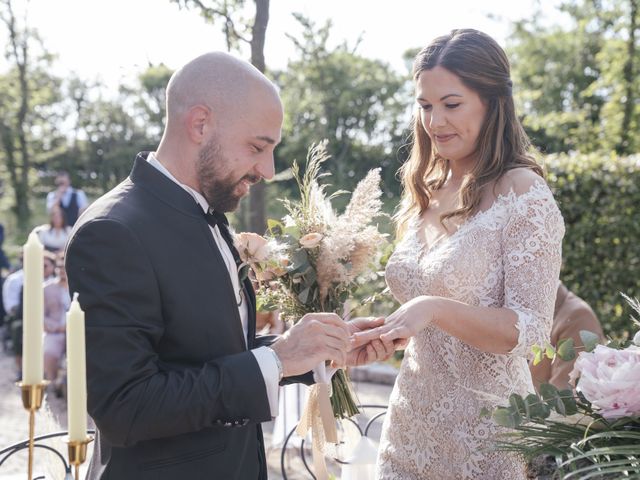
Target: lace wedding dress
(508, 255)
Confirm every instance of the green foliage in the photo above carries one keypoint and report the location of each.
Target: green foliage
(562, 425)
(599, 196)
(28, 110)
(151, 96)
(572, 80)
(356, 102)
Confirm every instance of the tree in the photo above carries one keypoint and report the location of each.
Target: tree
(355, 102)
(29, 91)
(113, 137)
(240, 27)
(629, 80)
(576, 84)
(151, 97)
(110, 130)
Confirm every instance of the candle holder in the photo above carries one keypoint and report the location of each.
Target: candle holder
(78, 453)
(32, 396)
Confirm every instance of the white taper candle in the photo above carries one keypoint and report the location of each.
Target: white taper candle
(76, 373)
(33, 312)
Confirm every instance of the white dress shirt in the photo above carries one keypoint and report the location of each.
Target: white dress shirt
(81, 198)
(263, 355)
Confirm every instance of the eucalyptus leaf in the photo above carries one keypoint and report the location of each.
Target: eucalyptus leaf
(303, 296)
(310, 276)
(506, 417)
(243, 273)
(292, 231)
(549, 351)
(536, 407)
(589, 339)
(300, 260)
(517, 403)
(566, 350)
(537, 354)
(275, 227)
(569, 402)
(549, 392)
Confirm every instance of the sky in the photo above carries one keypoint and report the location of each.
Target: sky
(115, 39)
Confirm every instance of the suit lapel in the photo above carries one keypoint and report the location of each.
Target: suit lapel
(251, 306)
(169, 192)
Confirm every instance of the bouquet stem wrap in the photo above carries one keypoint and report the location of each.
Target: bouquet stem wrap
(317, 416)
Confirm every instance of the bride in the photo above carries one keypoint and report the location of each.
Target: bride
(476, 268)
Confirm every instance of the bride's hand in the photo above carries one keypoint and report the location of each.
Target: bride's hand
(373, 351)
(401, 325)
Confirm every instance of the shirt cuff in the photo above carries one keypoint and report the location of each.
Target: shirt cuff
(270, 374)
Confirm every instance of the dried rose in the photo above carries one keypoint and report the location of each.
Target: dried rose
(311, 240)
(252, 247)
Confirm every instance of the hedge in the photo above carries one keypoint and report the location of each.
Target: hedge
(599, 196)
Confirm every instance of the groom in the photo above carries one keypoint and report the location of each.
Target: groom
(178, 383)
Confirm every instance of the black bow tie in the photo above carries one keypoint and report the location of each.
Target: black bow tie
(217, 218)
(220, 219)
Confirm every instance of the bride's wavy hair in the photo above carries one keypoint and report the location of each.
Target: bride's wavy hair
(502, 144)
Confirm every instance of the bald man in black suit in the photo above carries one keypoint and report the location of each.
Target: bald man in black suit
(178, 382)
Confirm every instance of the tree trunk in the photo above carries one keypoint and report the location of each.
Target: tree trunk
(20, 193)
(19, 167)
(257, 211)
(624, 147)
(22, 206)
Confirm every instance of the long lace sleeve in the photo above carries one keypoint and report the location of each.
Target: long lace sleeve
(532, 241)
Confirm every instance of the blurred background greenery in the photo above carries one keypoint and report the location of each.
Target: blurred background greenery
(576, 85)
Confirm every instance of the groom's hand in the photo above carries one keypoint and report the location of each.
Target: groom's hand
(373, 351)
(316, 338)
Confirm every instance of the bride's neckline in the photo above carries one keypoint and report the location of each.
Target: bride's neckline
(500, 198)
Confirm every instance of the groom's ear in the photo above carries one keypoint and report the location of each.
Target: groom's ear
(198, 120)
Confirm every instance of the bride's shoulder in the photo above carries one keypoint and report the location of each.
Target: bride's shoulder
(519, 181)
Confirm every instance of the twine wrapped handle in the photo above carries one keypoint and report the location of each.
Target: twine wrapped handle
(318, 416)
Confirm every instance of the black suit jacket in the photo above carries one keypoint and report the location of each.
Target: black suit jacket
(172, 388)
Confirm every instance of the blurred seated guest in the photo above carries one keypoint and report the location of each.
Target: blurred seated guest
(4, 265)
(56, 304)
(571, 315)
(4, 261)
(12, 305)
(12, 302)
(50, 261)
(54, 235)
(72, 201)
(12, 289)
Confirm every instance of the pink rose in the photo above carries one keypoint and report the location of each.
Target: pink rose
(610, 380)
(252, 247)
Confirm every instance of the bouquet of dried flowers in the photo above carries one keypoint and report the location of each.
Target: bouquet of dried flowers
(593, 432)
(310, 260)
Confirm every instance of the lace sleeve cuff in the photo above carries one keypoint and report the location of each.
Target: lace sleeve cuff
(531, 332)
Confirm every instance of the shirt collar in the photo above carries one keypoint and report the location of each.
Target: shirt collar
(197, 196)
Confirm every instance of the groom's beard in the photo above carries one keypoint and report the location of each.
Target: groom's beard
(217, 186)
